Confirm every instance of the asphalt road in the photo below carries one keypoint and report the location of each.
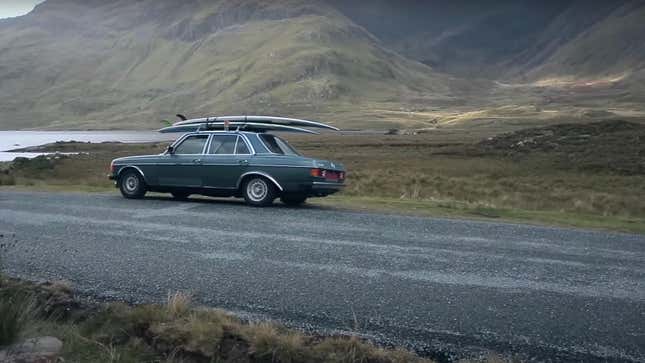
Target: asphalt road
(439, 286)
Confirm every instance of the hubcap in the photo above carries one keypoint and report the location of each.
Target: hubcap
(257, 190)
(131, 183)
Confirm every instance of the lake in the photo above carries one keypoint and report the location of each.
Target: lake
(10, 140)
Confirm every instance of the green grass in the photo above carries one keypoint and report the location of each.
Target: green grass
(579, 175)
(448, 209)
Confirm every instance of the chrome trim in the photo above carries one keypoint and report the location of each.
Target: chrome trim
(211, 133)
(258, 166)
(284, 166)
(328, 184)
(248, 143)
(239, 180)
(215, 164)
(210, 140)
(133, 167)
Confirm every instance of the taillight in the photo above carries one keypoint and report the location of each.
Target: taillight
(112, 168)
(341, 175)
(318, 173)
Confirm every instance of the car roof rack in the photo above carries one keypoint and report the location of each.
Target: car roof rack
(247, 123)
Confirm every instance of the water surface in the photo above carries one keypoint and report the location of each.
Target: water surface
(11, 140)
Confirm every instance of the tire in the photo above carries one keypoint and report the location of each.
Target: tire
(180, 196)
(293, 200)
(259, 192)
(132, 185)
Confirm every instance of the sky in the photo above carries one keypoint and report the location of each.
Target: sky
(11, 8)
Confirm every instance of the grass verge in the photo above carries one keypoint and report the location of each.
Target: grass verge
(449, 209)
(173, 332)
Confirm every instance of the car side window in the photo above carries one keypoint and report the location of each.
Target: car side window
(271, 144)
(242, 148)
(222, 145)
(192, 145)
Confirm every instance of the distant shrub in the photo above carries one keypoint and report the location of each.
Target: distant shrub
(40, 163)
(7, 179)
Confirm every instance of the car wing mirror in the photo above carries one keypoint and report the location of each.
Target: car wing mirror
(170, 150)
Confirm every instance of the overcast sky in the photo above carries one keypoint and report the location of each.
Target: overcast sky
(11, 8)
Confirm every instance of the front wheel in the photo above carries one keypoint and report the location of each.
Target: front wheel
(293, 200)
(132, 185)
(259, 192)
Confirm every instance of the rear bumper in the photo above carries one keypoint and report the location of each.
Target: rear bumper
(325, 185)
(322, 189)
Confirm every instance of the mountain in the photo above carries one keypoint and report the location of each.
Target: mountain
(463, 37)
(382, 63)
(129, 64)
(607, 38)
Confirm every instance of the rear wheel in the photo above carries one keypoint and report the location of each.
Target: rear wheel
(132, 185)
(293, 200)
(258, 192)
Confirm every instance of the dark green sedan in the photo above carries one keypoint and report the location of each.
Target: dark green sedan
(214, 161)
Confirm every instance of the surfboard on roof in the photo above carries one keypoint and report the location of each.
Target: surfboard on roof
(235, 126)
(247, 123)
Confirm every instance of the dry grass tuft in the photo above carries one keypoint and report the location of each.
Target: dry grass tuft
(17, 311)
(269, 343)
(196, 333)
(178, 303)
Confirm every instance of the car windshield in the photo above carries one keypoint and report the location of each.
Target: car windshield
(277, 145)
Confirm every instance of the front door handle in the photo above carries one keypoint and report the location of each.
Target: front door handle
(243, 162)
(197, 161)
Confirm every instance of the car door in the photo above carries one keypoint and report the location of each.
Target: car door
(183, 168)
(225, 161)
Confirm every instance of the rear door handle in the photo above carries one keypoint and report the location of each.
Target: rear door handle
(197, 161)
(243, 162)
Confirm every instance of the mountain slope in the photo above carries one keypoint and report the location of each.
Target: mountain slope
(383, 63)
(462, 37)
(613, 43)
(128, 64)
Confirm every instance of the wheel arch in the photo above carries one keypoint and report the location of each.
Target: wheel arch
(131, 167)
(250, 174)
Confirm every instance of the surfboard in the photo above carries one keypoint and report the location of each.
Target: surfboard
(233, 126)
(259, 120)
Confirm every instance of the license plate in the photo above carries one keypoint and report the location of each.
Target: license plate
(332, 175)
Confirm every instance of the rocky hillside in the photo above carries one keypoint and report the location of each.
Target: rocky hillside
(96, 63)
(120, 63)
